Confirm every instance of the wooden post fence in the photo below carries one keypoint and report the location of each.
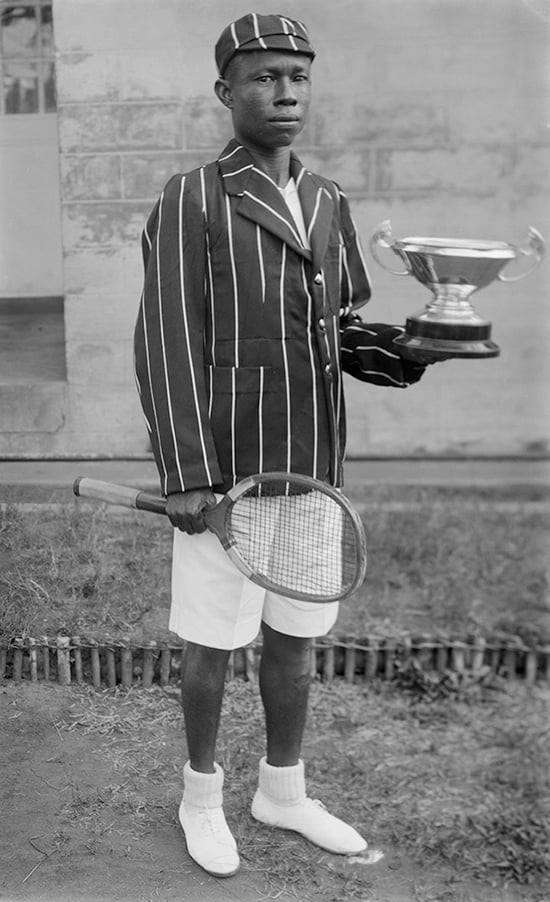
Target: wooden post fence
(68, 660)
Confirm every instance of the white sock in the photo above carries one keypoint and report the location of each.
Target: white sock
(203, 790)
(283, 785)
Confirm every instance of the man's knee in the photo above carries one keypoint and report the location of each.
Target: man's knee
(290, 652)
(200, 659)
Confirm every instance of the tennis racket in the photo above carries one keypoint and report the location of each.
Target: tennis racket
(289, 533)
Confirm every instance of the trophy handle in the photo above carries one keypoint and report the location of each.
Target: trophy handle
(535, 248)
(380, 237)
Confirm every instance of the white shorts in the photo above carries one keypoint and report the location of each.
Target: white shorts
(214, 605)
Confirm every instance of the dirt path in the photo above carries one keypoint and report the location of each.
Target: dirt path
(88, 801)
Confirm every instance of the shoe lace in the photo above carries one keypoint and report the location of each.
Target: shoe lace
(318, 803)
(212, 821)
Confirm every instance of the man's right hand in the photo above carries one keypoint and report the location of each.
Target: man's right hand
(185, 509)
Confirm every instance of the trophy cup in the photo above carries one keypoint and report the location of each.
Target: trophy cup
(452, 268)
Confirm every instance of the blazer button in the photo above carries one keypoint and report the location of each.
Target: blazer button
(322, 325)
(328, 369)
(318, 279)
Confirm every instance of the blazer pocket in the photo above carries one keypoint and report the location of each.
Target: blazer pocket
(247, 408)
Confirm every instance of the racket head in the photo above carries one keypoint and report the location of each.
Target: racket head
(293, 535)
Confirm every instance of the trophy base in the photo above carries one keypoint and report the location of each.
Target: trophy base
(440, 340)
(414, 348)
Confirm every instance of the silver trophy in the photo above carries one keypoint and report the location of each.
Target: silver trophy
(452, 268)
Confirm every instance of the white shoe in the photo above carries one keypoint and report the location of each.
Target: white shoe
(310, 818)
(209, 840)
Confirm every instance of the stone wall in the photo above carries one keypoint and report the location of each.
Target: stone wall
(432, 113)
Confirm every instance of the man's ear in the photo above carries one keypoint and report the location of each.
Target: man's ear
(223, 92)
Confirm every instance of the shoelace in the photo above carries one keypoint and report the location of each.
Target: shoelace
(212, 821)
(318, 803)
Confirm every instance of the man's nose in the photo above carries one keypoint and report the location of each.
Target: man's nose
(285, 93)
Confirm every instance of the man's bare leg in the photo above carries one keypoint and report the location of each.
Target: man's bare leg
(209, 839)
(284, 686)
(202, 687)
(281, 799)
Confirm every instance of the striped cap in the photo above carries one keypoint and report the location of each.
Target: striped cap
(255, 32)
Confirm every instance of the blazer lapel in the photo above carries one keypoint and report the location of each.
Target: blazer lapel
(260, 199)
(318, 207)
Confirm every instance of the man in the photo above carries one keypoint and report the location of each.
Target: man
(253, 269)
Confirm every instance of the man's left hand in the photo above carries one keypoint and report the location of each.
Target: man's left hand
(426, 358)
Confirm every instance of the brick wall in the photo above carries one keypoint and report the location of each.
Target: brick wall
(432, 113)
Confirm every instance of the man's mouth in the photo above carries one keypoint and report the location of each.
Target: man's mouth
(285, 119)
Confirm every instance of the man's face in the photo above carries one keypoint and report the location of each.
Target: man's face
(268, 93)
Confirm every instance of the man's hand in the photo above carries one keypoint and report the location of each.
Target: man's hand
(185, 509)
(426, 358)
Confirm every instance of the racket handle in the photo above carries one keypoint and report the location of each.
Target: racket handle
(123, 495)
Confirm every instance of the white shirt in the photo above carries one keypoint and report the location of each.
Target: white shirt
(290, 194)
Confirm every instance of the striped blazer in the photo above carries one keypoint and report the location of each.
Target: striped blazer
(243, 333)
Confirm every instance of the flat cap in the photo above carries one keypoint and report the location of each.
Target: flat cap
(255, 32)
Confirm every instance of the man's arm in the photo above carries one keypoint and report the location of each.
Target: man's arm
(369, 353)
(168, 346)
(355, 282)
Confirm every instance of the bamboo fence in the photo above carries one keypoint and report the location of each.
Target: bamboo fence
(68, 660)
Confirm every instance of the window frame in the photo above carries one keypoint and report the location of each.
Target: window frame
(42, 59)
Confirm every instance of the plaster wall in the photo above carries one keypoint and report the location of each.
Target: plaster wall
(430, 113)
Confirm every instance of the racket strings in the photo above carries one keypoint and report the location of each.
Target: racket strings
(305, 542)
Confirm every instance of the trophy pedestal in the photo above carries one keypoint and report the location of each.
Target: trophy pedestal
(443, 339)
(452, 269)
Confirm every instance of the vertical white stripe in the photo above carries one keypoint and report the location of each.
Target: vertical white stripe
(345, 291)
(163, 349)
(257, 31)
(260, 261)
(147, 238)
(348, 274)
(340, 261)
(338, 376)
(209, 280)
(234, 277)
(234, 35)
(358, 246)
(233, 419)
(261, 422)
(188, 338)
(315, 400)
(289, 30)
(210, 391)
(285, 360)
(288, 25)
(151, 393)
(315, 212)
(335, 365)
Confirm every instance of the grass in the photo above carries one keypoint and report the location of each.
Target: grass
(453, 568)
(460, 789)
(67, 572)
(441, 562)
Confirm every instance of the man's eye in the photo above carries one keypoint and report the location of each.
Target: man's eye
(264, 79)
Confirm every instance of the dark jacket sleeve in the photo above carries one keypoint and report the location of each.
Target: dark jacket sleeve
(168, 342)
(369, 353)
